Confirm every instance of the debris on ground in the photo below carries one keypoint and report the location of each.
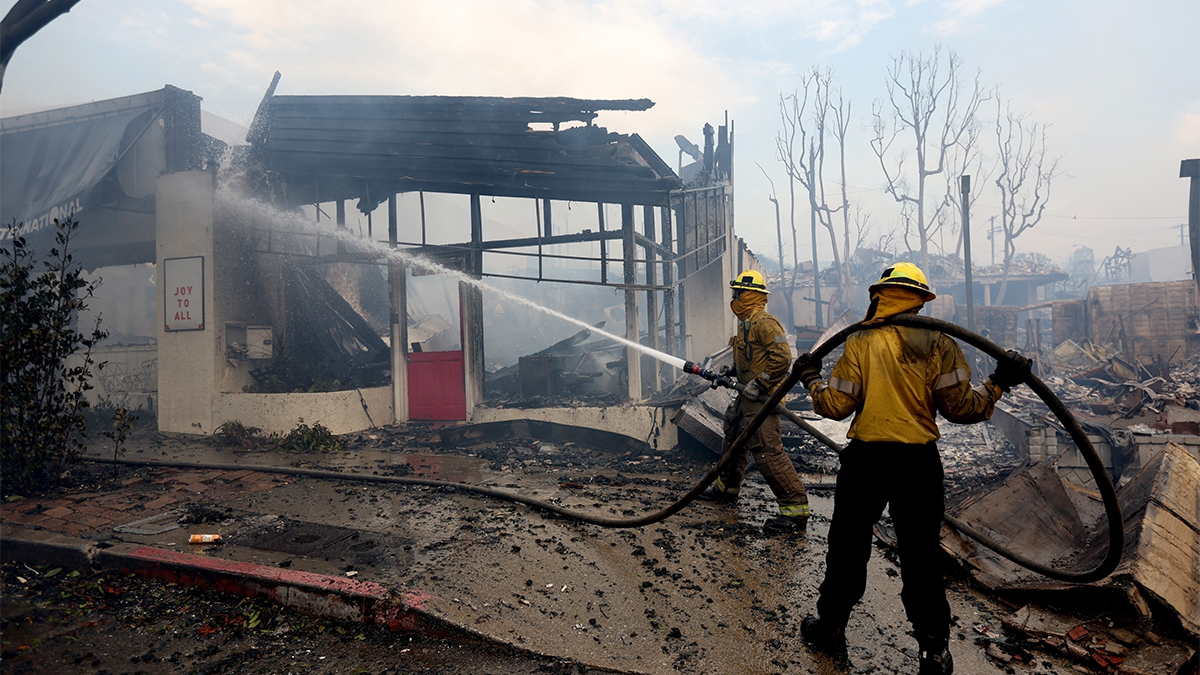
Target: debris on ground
(1040, 515)
(1095, 643)
(59, 622)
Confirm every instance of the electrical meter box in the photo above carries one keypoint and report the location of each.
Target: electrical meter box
(260, 343)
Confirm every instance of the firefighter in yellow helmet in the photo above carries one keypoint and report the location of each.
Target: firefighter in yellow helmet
(761, 358)
(895, 380)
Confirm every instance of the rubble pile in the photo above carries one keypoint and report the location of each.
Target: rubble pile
(1094, 643)
(571, 372)
(1100, 381)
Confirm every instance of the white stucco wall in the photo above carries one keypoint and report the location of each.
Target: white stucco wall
(644, 423)
(187, 360)
(340, 411)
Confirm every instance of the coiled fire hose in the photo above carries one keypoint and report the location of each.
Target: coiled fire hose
(772, 404)
(1108, 494)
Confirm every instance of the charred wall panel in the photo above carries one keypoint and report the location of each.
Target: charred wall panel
(1145, 320)
(1070, 320)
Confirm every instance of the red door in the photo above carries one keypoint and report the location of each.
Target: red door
(435, 386)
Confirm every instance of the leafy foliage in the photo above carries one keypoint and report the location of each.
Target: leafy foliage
(234, 434)
(121, 425)
(302, 438)
(305, 438)
(42, 397)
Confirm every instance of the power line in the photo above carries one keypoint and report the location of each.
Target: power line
(1119, 217)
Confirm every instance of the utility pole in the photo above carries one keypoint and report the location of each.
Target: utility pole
(1190, 168)
(782, 273)
(992, 237)
(812, 178)
(816, 272)
(966, 228)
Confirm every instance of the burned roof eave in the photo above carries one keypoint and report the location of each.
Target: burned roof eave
(374, 191)
(330, 148)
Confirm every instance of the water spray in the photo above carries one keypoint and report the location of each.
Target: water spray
(263, 211)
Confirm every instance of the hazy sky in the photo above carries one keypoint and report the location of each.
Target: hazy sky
(1119, 82)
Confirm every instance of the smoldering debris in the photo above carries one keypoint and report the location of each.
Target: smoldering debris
(326, 346)
(1100, 380)
(573, 370)
(1137, 651)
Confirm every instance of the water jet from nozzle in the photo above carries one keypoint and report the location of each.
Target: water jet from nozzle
(263, 211)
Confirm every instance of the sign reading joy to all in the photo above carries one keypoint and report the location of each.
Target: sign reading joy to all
(183, 293)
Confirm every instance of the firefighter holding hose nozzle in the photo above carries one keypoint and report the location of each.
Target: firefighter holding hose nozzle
(895, 379)
(761, 359)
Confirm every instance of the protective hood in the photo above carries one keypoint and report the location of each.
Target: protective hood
(747, 303)
(888, 301)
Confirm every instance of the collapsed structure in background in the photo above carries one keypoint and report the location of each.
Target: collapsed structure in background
(249, 326)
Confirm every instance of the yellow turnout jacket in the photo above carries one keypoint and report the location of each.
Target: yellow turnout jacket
(760, 352)
(897, 379)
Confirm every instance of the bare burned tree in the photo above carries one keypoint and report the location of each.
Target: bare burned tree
(965, 159)
(841, 124)
(819, 112)
(812, 164)
(25, 19)
(779, 236)
(1024, 176)
(790, 109)
(928, 103)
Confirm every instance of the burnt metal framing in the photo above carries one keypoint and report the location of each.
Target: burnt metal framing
(316, 149)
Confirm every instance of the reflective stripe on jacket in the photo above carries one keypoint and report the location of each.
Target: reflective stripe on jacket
(897, 379)
(760, 352)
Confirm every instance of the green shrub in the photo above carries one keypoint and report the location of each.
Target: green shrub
(234, 434)
(305, 438)
(42, 399)
(302, 438)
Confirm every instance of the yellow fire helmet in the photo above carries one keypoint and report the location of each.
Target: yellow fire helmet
(750, 280)
(906, 275)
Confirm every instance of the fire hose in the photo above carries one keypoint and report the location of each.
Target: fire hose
(1108, 494)
(772, 405)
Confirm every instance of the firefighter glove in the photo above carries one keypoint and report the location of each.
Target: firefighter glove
(753, 391)
(1011, 369)
(808, 367)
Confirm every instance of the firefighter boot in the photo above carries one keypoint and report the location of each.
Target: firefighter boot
(824, 636)
(717, 493)
(792, 518)
(786, 525)
(936, 659)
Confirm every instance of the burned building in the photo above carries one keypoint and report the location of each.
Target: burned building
(261, 314)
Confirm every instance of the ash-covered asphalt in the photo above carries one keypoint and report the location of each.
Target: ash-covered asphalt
(702, 592)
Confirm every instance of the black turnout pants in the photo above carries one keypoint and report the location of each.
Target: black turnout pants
(909, 479)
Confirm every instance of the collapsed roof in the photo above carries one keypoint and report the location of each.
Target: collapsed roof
(328, 148)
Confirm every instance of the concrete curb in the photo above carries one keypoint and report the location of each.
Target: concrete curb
(42, 547)
(318, 594)
(321, 595)
(337, 598)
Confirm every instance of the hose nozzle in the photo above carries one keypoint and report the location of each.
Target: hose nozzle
(716, 378)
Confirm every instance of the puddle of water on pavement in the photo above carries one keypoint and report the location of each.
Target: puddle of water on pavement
(436, 467)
